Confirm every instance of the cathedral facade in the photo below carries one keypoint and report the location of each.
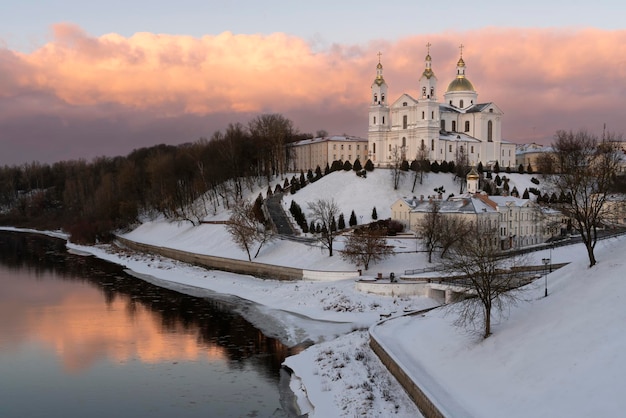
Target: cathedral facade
(456, 128)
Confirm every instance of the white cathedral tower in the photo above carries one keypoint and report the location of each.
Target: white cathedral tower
(415, 127)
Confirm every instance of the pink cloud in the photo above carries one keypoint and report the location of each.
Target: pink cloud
(543, 79)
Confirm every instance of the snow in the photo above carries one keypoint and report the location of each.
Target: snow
(555, 356)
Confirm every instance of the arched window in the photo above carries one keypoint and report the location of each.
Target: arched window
(490, 131)
(375, 98)
(374, 120)
(383, 120)
(432, 92)
(432, 144)
(467, 126)
(422, 146)
(374, 147)
(423, 91)
(405, 121)
(403, 141)
(382, 97)
(453, 126)
(443, 125)
(423, 115)
(461, 104)
(432, 114)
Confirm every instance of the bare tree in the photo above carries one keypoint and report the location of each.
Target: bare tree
(246, 230)
(395, 164)
(587, 171)
(365, 246)
(324, 212)
(491, 280)
(461, 166)
(420, 165)
(429, 229)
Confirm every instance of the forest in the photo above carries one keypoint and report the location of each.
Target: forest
(91, 199)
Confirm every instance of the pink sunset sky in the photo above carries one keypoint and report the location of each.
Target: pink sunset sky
(75, 94)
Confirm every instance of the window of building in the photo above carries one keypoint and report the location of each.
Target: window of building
(374, 120)
(453, 126)
(349, 146)
(405, 104)
(432, 114)
(450, 148)
(383, 120)
(405, 121)
(349, 157)
(422, 146)
(389, 147)
(467, 126)
(432, 144)
(432, 92)
(334, 146)
(443, 125)
(461, 104)
(374, 148)
(490, 131)
(342, 146)
(423, 115)
(357, 147)
(403, 141)
(490, 110)
(382, 97)
(334, 157)
(450, 102)
(472, 149)
(375, 98)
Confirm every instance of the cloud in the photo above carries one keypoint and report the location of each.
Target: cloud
(543, 79)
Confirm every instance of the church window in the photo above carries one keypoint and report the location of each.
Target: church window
(432, 144)
(374, 147)
(383, 120)
(490, 131)
(349, 146)
(403, 142)
(443, 125)
(472, 149)
(490, 110)
(423, 115)
(423, 91)
(432, 92)
(450, 148)
(450, 102)
(453, 126)
(334, 146)
(389, 147)
(405, 104)
(342, 146)
(382, 97)
(357, 147)
(467, 126)
(374, 120)
(334, 157)
(422, 146)
(375, 98)
(405, 120)
(461, 104)
(432, 114)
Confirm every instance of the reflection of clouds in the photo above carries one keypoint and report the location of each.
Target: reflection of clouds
(82, 330)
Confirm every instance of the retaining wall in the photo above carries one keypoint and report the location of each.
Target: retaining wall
(262, 270)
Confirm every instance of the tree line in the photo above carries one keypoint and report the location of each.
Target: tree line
(90, 199)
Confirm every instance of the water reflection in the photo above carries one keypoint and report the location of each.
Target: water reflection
(90, 313)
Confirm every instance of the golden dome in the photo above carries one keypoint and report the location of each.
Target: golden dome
(379, 80)
(428, 73)
(473, 175)
(460, 84)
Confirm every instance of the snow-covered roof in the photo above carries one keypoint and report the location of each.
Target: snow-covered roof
(334, 138)
(457, 136)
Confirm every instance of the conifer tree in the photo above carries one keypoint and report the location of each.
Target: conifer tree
(374, 214)
(352, 221)
(369, 165)
(341, 223)
(357, 165)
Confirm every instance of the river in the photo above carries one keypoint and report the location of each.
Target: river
(79, 337)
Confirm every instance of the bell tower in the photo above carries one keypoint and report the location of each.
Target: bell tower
(379, 123)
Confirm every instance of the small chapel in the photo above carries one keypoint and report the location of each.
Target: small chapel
(423, 127)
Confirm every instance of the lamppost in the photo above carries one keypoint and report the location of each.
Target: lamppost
(546, 261)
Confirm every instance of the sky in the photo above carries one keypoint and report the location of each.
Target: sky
(81, 80)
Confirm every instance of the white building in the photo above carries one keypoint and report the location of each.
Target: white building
(310, 153)
(438, 131)
(519, 222)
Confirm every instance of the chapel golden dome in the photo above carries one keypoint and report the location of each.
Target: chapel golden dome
(460, 84)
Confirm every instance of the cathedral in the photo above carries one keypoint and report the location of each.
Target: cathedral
(459, 128)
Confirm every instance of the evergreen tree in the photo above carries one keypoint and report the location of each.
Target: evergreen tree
(434, 167)
(327, 169)
(374, 214)
(309, 175)
(520, 169)
(318, 172)
(443, 167)
(451, 167)
(333, 225)
(357, 165)
(352, 221)
(526, 195)
(347, 166)
(496, 168)
(404, 165)
(487, 188)
(508, 170)
(498, 180)
(341, 223)
(336, 166)
(369, 165)
(529, 169)
(480, 168)
(302, 179)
